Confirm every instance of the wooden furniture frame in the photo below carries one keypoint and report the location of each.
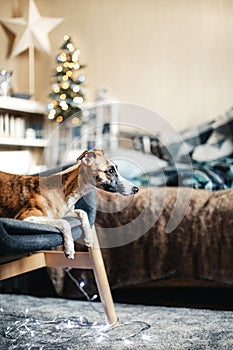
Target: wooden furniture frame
(83, 260)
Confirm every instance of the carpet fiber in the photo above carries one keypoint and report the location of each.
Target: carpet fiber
(51, 323)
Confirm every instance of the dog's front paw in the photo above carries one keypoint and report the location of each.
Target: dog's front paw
(69, 251)
(69, 254)
(89, 242)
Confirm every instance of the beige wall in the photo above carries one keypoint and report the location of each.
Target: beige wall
(173, 56)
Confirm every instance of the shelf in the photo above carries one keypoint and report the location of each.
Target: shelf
(23, 105)
(23, 142)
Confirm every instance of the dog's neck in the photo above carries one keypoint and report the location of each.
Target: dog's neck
(74, 184)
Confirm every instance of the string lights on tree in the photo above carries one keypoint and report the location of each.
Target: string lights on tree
(66, 96)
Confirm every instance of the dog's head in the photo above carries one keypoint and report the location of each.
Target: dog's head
(103, 173)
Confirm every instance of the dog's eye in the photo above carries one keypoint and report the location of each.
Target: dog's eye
(111, 171)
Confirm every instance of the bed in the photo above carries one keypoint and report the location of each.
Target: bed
(178, 230)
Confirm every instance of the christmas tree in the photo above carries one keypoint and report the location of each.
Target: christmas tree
(66, 96)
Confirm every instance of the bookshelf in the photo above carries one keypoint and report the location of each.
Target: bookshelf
(96, 128)
(23, 127)
(22, 122)
(23, 142)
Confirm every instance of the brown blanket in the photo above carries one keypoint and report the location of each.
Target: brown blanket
(198, 251)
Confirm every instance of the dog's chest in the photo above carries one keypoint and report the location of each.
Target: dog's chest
(57, 205)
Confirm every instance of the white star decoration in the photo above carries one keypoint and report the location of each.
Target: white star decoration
(31, 33)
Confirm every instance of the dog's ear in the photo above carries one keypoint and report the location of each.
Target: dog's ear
(81, 156)
(88, 158)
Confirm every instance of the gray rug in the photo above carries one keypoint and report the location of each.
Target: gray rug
(48, 323)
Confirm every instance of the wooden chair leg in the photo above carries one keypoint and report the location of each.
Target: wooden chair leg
(102, 281)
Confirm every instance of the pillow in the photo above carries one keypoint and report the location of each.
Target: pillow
(133, 163)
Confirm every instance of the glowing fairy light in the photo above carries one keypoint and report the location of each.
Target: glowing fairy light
(81, 78)
(59, 119)
(69, 73)
(63, 96)
(76, 121)
(56, 89)
(78, 99)
(82, 284)
(76, 88)
(62, 57)
(50, 106)
(82, 289)
(86, 113)
(65, 86)
(64, 105)
(75, 55)
(51, 114)
(70, 47)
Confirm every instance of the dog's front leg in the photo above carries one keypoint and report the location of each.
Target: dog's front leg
(82, 216)
(63, 226)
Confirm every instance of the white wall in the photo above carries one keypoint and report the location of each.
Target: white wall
(172, 56)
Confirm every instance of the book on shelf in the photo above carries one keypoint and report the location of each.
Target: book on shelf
(15, 127)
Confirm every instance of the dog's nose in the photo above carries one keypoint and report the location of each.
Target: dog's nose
(135, 189)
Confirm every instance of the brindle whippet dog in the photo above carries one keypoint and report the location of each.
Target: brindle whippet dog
(48, 199)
